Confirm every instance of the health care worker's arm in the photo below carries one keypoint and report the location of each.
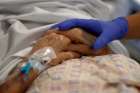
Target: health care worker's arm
(106, 31)
(133, 26)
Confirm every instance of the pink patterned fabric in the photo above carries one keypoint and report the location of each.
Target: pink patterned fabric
(102, 74)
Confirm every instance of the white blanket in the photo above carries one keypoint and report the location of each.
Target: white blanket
(23, 21)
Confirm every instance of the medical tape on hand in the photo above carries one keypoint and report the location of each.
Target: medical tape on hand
(39, 60)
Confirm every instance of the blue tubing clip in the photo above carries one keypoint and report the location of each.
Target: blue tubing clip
(26, 68)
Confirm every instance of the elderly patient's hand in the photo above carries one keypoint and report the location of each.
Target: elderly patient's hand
(68, 44)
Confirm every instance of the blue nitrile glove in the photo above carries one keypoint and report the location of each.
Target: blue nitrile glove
(105, 31)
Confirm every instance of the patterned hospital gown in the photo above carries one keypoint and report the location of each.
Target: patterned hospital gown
(101, 74)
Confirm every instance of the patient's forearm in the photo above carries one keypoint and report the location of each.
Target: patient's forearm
(18, 83)
(133, 26)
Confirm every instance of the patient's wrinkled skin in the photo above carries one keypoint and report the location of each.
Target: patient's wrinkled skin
(72, 43)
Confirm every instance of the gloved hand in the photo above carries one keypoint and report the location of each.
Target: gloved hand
(105, 31)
